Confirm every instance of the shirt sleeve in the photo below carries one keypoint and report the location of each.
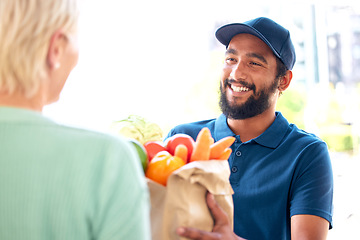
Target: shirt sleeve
(312, 188)
(123, 210)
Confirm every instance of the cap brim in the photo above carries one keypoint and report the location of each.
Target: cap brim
(227, 32)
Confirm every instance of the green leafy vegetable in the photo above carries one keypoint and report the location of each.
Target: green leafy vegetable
(138, 128)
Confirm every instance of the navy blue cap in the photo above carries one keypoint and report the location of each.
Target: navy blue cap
(274, 35)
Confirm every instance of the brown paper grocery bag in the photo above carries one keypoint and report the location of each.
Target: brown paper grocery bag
(157, 199)
(183, 201)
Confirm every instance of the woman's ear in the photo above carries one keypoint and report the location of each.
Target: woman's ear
(56, 50)
(285, 81)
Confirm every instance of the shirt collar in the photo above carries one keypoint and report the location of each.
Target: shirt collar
(275, 133)
(221, 128)
(270, 138)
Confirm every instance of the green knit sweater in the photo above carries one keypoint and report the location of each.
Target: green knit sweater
(59, 182)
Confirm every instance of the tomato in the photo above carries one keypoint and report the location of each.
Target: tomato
(180, 138)
(161, 166)
(141, 153)
(152, 148)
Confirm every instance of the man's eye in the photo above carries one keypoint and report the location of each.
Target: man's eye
(230, 60)
(255, 64)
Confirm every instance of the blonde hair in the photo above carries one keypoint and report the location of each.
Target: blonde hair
(26, 27)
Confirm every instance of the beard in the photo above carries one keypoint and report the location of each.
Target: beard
(254, 105)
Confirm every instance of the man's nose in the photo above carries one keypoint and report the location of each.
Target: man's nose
(238, 71)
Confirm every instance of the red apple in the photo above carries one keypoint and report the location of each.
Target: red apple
(153, 147)
(180, 138)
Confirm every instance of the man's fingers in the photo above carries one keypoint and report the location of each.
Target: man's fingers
(221, 230)
(189, 233)
(218, 213)
(196, 234)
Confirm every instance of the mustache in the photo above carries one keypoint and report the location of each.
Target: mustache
(229, 81)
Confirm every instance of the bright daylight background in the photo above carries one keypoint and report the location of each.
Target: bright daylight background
(160, 60)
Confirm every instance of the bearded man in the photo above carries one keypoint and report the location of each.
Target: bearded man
(281, 175)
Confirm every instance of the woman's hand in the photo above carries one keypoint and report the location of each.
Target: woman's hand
(221, 231)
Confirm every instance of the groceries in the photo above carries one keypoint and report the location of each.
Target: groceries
(181, 146)
(179, 172)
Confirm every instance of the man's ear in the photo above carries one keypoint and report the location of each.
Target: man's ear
(285, 81)
(56, 50)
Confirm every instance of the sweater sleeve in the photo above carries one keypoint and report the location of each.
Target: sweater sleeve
(123, 210)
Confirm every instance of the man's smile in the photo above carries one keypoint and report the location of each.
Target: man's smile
(239, 89)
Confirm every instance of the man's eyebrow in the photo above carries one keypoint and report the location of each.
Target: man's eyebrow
(252, 55)
(231, 51)
(258, 56)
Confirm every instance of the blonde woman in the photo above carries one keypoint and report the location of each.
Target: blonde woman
(57, 182)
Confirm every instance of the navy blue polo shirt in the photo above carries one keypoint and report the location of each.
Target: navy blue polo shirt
(283, 172)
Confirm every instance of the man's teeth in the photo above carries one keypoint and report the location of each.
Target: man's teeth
(239, 89)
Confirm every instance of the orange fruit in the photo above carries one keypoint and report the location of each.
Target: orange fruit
(161, 166)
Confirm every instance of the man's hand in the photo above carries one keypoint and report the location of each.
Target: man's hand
(221, 231)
